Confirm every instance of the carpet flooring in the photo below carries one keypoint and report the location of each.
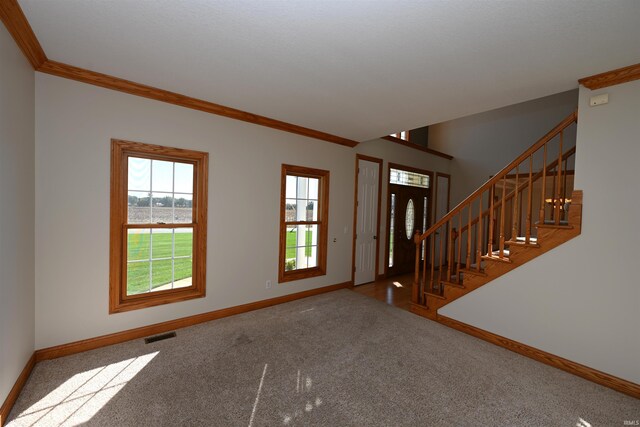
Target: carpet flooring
(337, 359)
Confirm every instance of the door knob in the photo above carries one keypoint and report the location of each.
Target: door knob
(375, 237)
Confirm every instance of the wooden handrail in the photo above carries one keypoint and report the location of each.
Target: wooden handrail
(573, 117)
(551, 166)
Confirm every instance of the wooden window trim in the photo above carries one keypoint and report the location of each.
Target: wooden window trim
(119, 301)
(323, 223)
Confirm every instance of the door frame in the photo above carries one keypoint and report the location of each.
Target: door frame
(355, 214)
(430, 210)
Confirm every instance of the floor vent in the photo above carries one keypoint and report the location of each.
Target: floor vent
(159, 337)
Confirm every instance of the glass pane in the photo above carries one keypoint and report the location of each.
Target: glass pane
(313, 188)
(183, 178)
(312, 260)
(312, 210)
(138, 210)
(139, 174)
(183, 208)
(303, 236)
(138, 244)
(161, 275)
(409, 219)
(312, 235)
(291, 187)
(182, 272)
(301, 257)
(301, 210)
(303, 187)
(162, 176)
(414, 179)
(161, 243)
(392, 221)
(162, 208)
(290, 210)
(183, 239)
(290, 253)
(138, 277)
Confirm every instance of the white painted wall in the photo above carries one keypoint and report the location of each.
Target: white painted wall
(484, 143)
(399, 154)
(581, 300)
(17, 195)
(74, 125)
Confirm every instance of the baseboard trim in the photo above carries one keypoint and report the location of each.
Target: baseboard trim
(144, 331)
(593, 375)
(16, 389)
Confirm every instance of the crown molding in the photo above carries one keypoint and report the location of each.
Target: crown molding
(610, 78)
(13, 18)
(115, 83)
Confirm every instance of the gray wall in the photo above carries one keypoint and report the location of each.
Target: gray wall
(484, 143)
(16, 212)
(581, 300)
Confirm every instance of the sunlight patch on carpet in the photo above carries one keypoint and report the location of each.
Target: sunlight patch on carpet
(80, 397)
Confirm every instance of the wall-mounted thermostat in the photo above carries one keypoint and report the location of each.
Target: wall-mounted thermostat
(599, 100)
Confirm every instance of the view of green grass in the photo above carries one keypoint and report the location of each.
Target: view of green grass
(292, 241)
(139, 247)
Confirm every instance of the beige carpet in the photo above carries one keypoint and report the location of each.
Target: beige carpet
(338, 359)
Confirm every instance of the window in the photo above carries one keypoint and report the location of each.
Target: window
(404, 135)
(304, 212)
(158, 225)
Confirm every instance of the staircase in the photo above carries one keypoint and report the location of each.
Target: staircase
(525, 210)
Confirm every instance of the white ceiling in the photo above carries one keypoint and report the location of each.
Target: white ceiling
(358, 69)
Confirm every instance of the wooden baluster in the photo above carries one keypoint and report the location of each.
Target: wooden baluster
(440, 259)
(425, 242)
(491, 209)
(564, 190)
(520, 216)
(479, 244)
(458, 259)
(502, 209)
(433, 258)
(544, 186)
(516, 217)
(529, 200)
(415, 296)
(468, 263)
(559, 184)
(450, 250)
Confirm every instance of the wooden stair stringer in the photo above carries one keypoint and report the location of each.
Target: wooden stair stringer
(548, 239)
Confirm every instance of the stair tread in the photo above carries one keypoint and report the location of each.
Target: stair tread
(565, 227)
(496, 257)
(522, 241)
(473, 271)
(453, 284)
(549, 223)
(431, 294)
(505, 252)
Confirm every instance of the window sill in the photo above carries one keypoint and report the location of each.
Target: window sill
(135, 302)
(289, 276)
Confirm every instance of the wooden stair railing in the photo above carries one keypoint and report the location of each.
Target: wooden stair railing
(483, 226)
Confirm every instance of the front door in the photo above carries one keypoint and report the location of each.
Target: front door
(407, 213)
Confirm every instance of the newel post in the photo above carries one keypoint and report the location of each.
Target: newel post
(415, 295)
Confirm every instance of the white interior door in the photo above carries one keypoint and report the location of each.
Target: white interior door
(367, 221)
